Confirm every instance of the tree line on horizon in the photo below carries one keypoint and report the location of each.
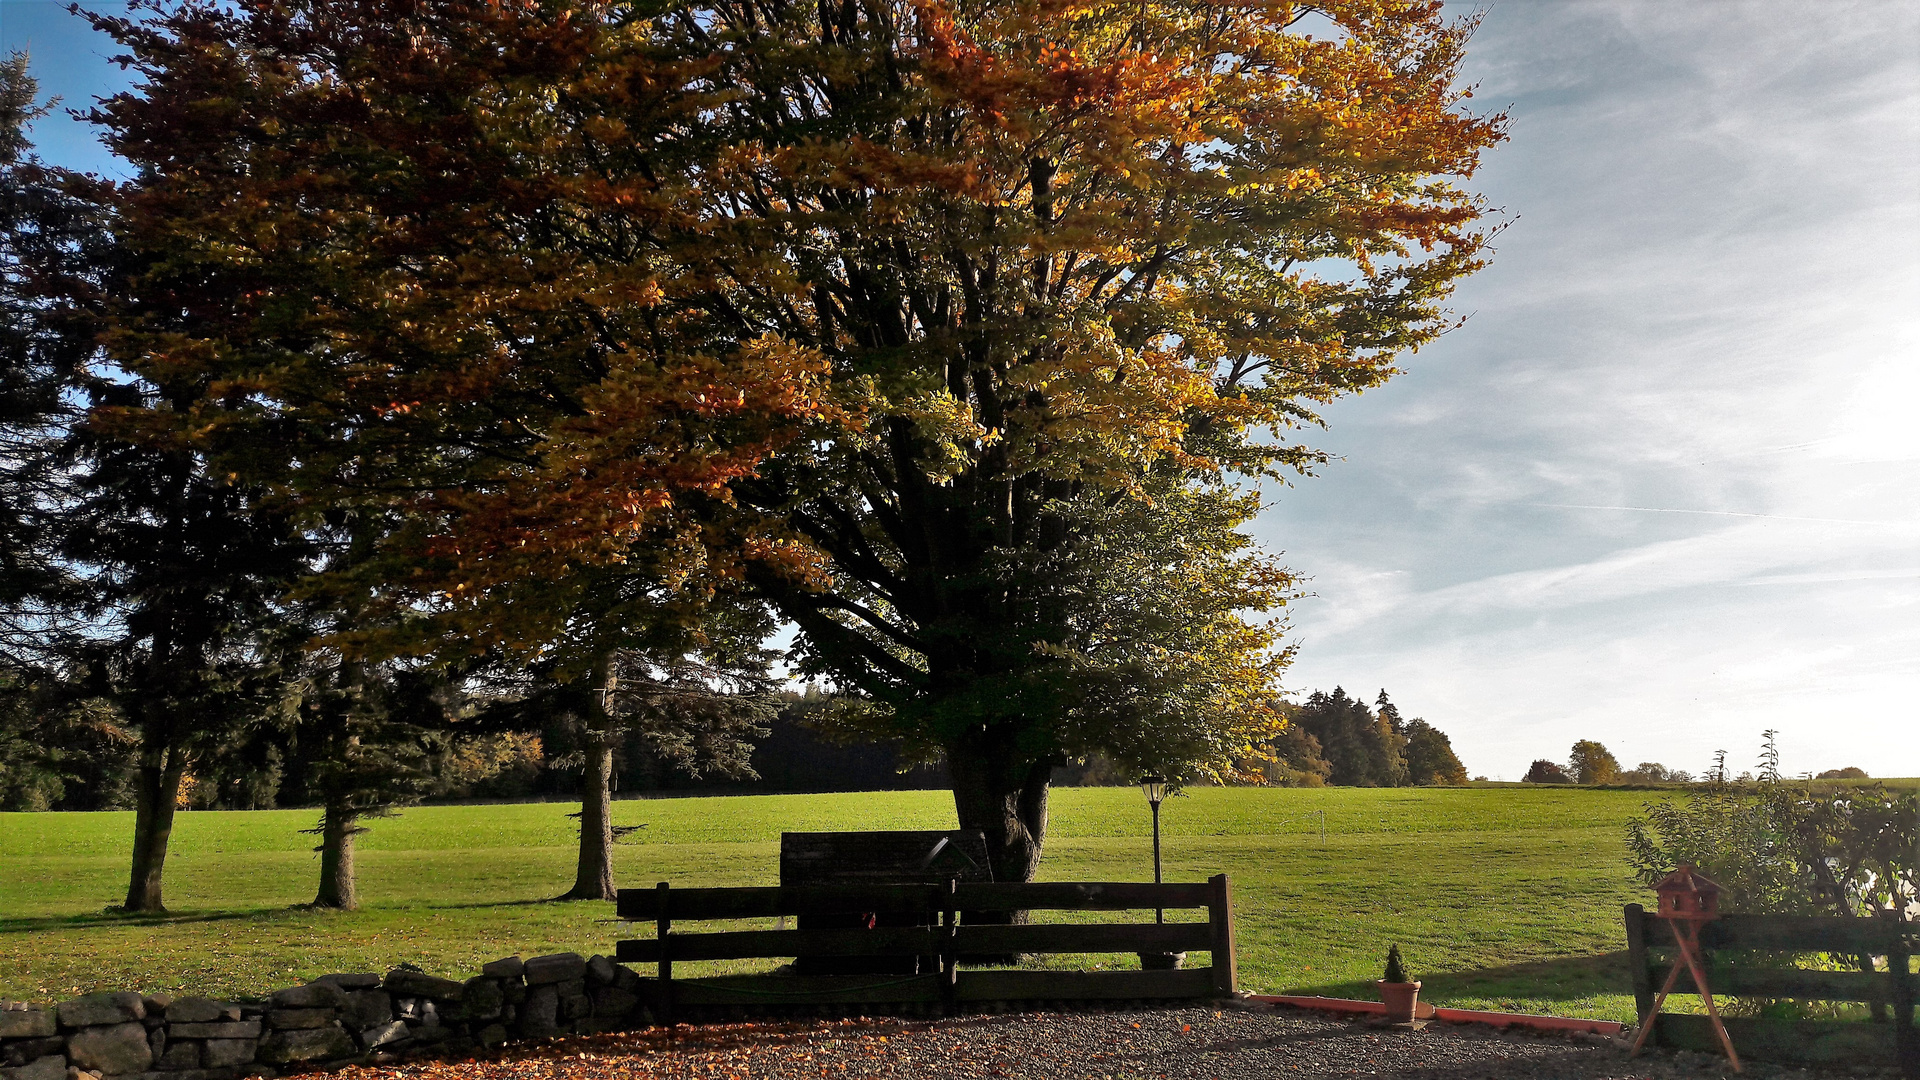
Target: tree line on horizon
(447, 373)
(1590, 762)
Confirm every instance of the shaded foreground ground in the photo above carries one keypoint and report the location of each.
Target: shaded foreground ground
(1177, 1044)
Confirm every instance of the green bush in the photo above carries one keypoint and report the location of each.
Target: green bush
(1789, 849)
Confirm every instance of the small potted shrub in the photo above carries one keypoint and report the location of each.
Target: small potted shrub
(1397, 990)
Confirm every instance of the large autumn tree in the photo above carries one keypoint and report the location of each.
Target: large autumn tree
(573, 286)
(1085, 264)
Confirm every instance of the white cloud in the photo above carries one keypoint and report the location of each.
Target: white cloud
(1707, 308)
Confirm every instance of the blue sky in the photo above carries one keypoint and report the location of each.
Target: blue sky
(1663, 488)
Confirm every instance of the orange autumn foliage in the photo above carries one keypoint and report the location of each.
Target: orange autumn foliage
(355, 221)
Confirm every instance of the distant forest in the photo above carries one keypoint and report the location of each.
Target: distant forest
(1331, 740)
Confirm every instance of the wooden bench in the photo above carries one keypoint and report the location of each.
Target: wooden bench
(1788, 1040)
(948, 937)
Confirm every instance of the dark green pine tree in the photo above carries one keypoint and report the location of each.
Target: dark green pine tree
(55, 255)
(370, 736)
(129, 573)
(1361, 748)
(184, 574)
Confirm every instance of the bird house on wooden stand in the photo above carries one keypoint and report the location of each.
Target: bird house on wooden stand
(1688, 900)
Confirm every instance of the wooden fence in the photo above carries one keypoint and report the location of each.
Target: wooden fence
(1891, 990)
(946, 941)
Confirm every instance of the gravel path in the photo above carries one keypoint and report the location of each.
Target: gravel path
(1177, 1044)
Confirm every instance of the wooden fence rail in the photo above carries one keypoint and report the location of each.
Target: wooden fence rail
(1890, 990)
(946, 939)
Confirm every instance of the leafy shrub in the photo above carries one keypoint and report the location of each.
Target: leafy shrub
(1789, 849)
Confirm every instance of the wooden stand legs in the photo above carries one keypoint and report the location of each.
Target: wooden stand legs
(1686, 935)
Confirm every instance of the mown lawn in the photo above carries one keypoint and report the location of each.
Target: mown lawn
(1500, 897)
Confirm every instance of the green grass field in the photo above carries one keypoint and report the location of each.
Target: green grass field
(1500, 897)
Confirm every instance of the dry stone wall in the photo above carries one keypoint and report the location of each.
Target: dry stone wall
(332, 1021)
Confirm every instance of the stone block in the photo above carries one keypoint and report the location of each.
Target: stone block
(299, 1019)
(232, 1029)
(156, 1039)
(366, 1008)
(400, 981)
(507, 967)
(540, 1015)
(574, 1007)
(364, 980)
(101, 1009)
(482, 999)
(179, 1055)
(218, 1053)
(600, 971)
(18, 1052)
(306, 1044)
(613, 1001)
(383, 1034)
(111, 1048)
(314, 995)
(46, 1068)
(515, 991)
(625, 979)
(27, 1024)
(199, 1010)
(557, 968)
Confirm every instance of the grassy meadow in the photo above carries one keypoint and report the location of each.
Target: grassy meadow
(1500, 897)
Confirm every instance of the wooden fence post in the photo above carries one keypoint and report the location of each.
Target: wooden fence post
(1220, 913)
(663, 925)
(1637, 960)
(1906, 1040)
(949, 950)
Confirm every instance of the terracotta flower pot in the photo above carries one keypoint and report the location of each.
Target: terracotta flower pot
(1399, 999)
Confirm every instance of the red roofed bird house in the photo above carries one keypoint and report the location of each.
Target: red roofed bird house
(1688, 894)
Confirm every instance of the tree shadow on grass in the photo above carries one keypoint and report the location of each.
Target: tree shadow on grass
(112, 917)
(481, 905)
(1563, 979)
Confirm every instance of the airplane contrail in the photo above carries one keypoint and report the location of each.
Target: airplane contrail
(1718, 513)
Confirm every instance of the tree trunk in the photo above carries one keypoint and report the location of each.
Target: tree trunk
(593, 880)
(156, 794)
(1004, 798)
(339, 825)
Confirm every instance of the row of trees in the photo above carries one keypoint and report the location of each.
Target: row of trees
(1590, 762)
(1334, 739)
(275, 768)
(447, 367)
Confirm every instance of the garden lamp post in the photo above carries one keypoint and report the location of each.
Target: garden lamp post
(1154, 787)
